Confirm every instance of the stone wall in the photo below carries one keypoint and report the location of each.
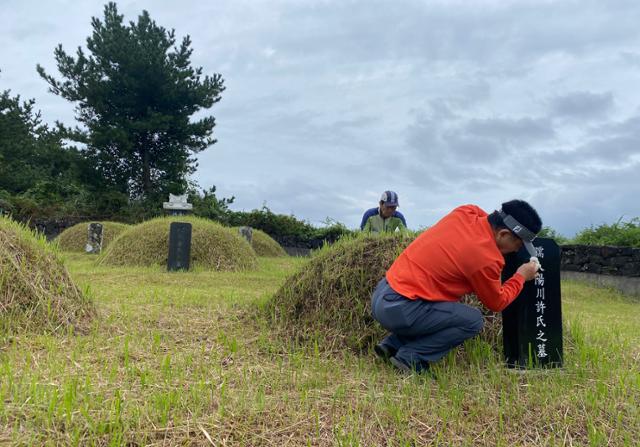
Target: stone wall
(53, 227)
(616, 261)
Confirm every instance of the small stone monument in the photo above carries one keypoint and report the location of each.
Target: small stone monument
(177, 205)
(179, 246)
(532, 324)
(94, 238)
(247, 233)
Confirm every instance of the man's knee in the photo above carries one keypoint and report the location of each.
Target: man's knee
(476, 320)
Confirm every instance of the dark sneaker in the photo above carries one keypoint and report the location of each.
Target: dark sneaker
(384, 351)
(419, 368)
(400, 365)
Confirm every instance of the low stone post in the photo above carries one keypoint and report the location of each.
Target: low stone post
(247, 233)
(94, 238)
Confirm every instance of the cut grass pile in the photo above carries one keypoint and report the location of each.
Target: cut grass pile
(329, 300)
(265, 245)
(212, 246)
(75, 238)
(36, 292)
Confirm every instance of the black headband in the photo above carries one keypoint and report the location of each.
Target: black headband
(520, 230)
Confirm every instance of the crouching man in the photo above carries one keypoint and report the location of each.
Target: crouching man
(418, 300)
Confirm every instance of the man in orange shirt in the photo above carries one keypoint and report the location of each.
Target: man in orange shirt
(418, 300)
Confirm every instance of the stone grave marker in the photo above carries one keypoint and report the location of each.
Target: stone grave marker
(177, 205)
(179, 246)
(94, 238)
(247, 233)
(532, 324)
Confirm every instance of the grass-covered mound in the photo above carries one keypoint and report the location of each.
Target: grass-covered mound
(75, 238)
(212, 246)
(264, 245)
(36, 291)
(330, 297)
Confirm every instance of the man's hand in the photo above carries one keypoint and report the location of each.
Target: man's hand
(528, 270)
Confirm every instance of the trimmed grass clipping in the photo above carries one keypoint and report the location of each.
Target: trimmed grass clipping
(330, 298)
(75, 238)
(213, 246)
(36, 291)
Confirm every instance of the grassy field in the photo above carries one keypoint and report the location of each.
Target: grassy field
(181, 359)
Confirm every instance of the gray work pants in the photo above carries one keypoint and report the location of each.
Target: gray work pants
(421, 330)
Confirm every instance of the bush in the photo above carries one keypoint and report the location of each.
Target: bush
(287, 230)
(621, 234)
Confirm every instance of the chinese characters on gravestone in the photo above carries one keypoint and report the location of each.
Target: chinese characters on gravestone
(532, 324)
(179, 246)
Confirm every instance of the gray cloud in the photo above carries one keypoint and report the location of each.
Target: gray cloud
(330, 103)
(582, 105)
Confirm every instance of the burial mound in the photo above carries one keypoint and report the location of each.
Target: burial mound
(212, 246)
(75, 238)
(329, 299)
(36, 291)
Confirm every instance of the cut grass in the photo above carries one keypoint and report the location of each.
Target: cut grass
(174, 360)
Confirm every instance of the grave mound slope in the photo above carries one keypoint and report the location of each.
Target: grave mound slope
(36, 291)
(75, 238)
(212, 245)
(330, 297)
(265, 245)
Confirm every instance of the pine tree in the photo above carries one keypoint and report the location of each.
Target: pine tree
(136, 94)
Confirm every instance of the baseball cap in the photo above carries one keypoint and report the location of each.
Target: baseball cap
(389, 198)
(519, 230)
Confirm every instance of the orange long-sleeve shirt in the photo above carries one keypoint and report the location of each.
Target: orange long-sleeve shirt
(456, 256)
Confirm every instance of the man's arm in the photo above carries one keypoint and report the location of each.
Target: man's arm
(365, 218)
(399, 215)
(488, 285)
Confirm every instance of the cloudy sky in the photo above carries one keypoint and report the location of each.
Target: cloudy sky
(329, 103)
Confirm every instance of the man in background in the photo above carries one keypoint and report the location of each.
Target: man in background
(384, 218)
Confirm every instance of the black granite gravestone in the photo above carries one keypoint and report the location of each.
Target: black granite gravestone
(94, 238)
(532, 324)
(179, 246)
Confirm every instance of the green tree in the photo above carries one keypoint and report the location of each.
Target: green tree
(35, 169)
(136, 94)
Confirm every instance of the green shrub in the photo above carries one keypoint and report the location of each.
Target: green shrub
(289, 230)
(622, 234)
